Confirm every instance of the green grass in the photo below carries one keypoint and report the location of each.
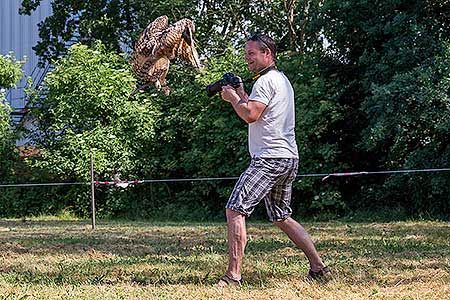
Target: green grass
(51, 258)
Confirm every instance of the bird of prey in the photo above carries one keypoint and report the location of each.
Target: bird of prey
(157, 45)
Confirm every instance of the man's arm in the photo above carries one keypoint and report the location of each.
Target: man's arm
(248, 110)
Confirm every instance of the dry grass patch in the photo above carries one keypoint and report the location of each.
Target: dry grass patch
(56, 259)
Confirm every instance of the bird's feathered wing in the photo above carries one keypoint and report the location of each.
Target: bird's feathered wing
(158, 44)
(148, 39)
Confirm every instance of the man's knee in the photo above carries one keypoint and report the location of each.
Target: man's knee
(278, 222)
(281, 222)
(233, 215)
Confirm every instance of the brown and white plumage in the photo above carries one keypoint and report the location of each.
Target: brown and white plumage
(158, 44)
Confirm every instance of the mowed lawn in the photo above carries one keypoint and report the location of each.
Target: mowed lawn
(65, 259)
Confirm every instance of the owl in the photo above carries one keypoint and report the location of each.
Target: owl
(157, 45)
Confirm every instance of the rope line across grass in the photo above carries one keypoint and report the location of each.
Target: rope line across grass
(126, 183)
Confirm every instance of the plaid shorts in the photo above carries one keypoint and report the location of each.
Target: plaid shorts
(269, 179)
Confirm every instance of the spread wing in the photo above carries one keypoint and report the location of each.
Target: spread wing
(143, 56)
(186, 49)
(188, 53)
(149, 38)
(158, 44)
(178, 40)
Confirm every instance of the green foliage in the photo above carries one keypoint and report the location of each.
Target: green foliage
(114, 22)
(411, 114)
(318, 113)
(118, 23)
(10, 73)
(83, 108)
(4, 121)
(391, 57)
(6, 141)
(194, 135)
(371, 84)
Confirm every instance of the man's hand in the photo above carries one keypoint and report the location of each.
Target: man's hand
(240, 90)
(229, 94)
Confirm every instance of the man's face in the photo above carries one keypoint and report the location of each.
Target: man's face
(257, 59)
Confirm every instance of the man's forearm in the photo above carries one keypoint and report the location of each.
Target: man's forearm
(241, 107)
(247, 110)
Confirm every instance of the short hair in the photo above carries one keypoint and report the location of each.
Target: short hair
(265, 42)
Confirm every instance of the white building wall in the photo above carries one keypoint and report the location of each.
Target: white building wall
(18, 34)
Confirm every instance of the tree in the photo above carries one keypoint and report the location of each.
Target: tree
(410, 119)
(371, 94)
(389, 57)
(117, 23)
(10, 73)
(83, 107)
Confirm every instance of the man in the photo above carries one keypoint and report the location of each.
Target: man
(269, 111)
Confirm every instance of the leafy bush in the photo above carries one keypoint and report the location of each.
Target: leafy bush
(83, 108)
(10, 73)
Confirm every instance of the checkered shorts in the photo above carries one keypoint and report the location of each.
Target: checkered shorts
(269, 179)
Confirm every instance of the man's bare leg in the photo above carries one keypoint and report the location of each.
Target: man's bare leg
(301, 238)
(237, 239)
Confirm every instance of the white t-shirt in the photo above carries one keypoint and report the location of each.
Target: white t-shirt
(273, 134)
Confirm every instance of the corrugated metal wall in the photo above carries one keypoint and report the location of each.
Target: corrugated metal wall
(19, 33)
